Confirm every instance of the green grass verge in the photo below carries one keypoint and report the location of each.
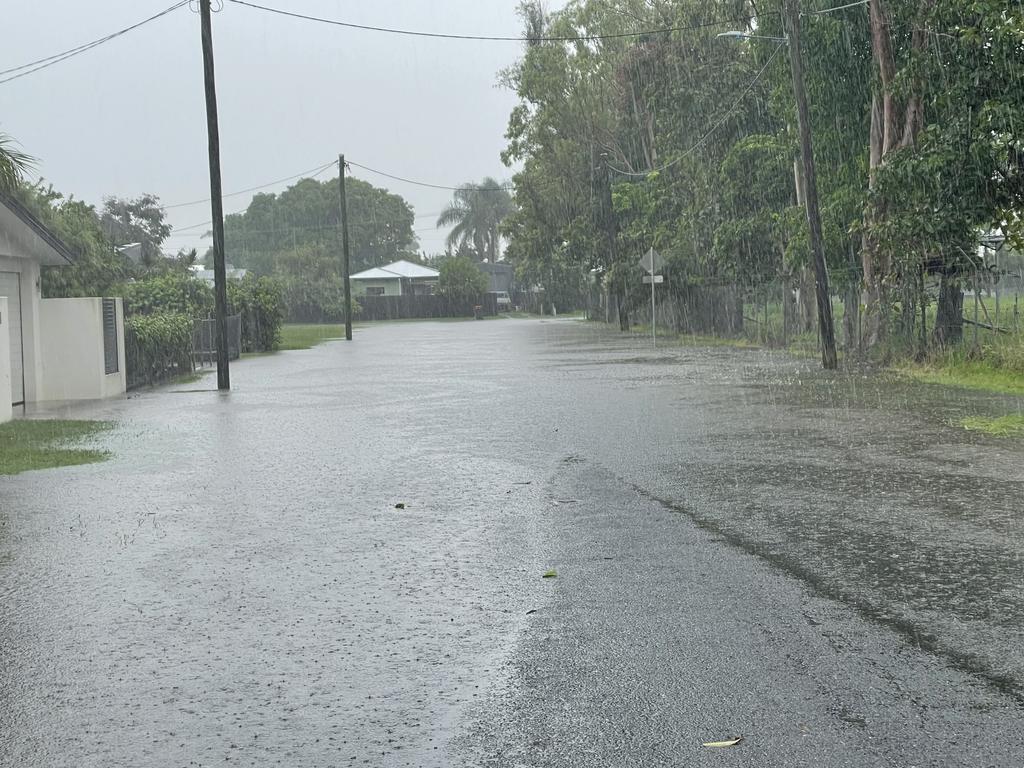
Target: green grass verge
(1002, 426)
(968, 375)
(28, 445)
(308, 335)
(673, 338)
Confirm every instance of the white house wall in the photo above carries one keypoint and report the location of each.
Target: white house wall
(29, 271)
(391, 287)
(73, 366)
(6, 411)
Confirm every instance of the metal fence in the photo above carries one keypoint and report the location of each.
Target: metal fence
(204, 340)
(421, 307)
(978, 307)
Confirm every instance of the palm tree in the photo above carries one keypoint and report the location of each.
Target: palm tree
(476, 211)
(13, 163)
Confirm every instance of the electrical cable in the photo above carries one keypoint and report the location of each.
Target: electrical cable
(57, 58)
(715, 127)
(490, 38)
(837, 8)
(505, 187)
(312, 173)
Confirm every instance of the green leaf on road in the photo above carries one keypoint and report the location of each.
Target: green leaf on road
(550, 574)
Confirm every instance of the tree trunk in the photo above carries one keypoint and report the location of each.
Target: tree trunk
(908, 306)
(623, 314)
(871, 326)
(808, 310)
(886, 134)
(788, 307)
(949, 315)
(851, 318)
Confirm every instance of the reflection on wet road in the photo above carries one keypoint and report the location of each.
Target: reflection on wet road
(822, 564)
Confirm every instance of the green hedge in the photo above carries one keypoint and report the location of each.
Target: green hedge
(174, 292)
(157, 347)
(259, 301)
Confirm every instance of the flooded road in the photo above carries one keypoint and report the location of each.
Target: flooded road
(824, 564)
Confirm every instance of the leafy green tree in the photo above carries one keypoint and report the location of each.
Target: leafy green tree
(949, 160)
(98, 269)
(311, 283)
(137, 220)
(306, 214)
(477, 211)
(461, 280)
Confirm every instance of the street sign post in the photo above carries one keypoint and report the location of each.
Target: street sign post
(652, 262)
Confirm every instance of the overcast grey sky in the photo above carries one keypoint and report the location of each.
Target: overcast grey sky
(128, 117)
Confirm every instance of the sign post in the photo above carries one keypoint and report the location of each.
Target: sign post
(652, 262)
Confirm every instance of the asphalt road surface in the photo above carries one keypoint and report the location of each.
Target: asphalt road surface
(823, 564)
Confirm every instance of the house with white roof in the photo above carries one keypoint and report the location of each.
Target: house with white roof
(399, 278)
(50, 349)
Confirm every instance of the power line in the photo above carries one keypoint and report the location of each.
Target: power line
(505, 187)
(57, 58)
(715, 127)
(312, 173)
(242, 192)
(492, 38)
(837, 8)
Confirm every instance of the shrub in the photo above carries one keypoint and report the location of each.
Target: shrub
(461, 280)
(157, 347)
(174, 292)
(260, 303)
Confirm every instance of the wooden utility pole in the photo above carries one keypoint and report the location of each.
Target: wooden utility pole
(826, 326)
(220, 290)
(344, 247)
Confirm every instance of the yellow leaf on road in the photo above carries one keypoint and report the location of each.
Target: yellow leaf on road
(726, 743)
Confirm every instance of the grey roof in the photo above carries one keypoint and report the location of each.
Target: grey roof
(40, 229)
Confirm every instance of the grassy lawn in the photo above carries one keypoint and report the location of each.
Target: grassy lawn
(968, 375)
(675, 338)
(26, 445)
(308, 335)
(1003, 426)
(996, 364)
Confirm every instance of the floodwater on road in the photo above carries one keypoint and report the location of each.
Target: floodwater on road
(823, 563)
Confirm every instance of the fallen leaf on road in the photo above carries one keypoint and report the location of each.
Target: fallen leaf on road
(726, 743)
(550, 574)
(400, 505)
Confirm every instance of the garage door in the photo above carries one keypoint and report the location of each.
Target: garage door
(10, 286)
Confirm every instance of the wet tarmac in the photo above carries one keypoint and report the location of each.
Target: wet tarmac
(826, 565)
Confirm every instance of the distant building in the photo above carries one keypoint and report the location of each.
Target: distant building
(131, 251)
(399, 278)
(501, 276)
(207, 274)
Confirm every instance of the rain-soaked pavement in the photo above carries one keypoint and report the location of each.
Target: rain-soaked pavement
(825, 565)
